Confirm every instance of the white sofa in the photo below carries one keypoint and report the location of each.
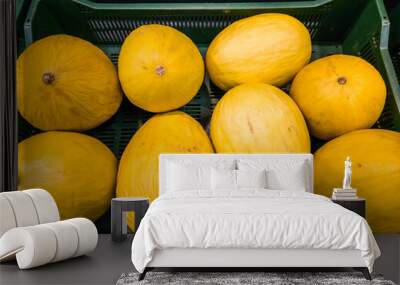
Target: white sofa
(31, 231)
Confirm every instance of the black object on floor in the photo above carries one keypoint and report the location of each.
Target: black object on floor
(143, 274)
(364, 271)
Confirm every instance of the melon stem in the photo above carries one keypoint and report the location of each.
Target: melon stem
(160, 70)
(48, 78)
(342, 80)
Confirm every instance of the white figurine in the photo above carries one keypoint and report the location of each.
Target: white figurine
(347, 173)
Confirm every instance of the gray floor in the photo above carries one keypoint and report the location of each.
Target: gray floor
(389, 262)
(103, 266)
(110, 260)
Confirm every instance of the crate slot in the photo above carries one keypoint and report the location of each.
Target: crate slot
(366, 52)
(312, 22)
(386, 119)
(396, 61)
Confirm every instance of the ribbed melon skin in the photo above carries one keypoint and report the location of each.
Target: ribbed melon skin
(267, 48)
(160, 68)
(258, 118)
(339, 94)
(65, 83)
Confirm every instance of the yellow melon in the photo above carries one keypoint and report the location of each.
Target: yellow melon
(173, 132)
(79, 171)
(160, 68)
(375, 158)
(267, 48)
(257, 118)
(66, 83)
(338, 94)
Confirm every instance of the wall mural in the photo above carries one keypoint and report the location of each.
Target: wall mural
(264, 96)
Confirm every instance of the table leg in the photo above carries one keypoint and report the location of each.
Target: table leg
(116, 222)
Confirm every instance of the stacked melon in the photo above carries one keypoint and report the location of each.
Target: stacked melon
(67, 84)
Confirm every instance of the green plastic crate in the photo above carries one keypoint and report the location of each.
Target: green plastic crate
(21, 9)
(394, 40)
(337, 26)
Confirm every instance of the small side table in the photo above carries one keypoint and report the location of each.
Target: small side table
(355, 205)
(119, 208)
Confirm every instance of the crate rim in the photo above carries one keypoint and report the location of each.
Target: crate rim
(394, 39)
(18, 8)
(203, 6)
(226, 7)
(393, 83)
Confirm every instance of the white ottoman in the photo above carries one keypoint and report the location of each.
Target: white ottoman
(31, 232)
(37, 245)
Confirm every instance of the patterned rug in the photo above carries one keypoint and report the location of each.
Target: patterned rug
(253, 278)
